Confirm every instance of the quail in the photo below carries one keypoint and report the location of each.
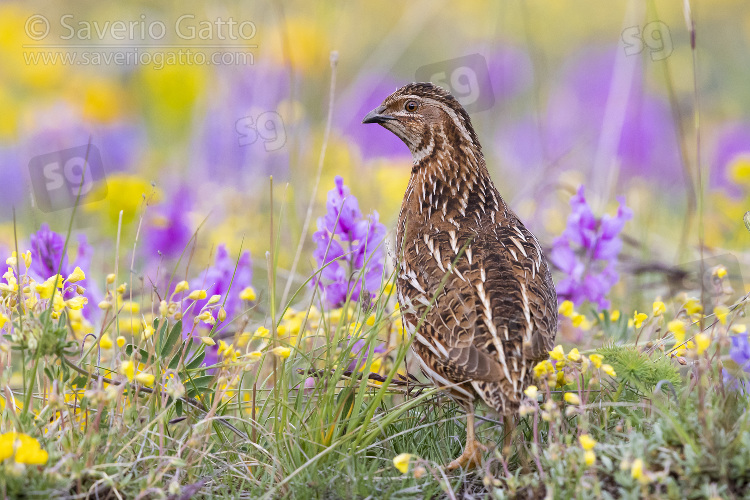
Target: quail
(473, 284)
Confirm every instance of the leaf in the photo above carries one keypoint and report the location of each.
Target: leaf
(175, 334)
(196, 361)
(198, 385)
(176, 358)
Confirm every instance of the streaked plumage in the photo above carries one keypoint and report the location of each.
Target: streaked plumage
(494, 314)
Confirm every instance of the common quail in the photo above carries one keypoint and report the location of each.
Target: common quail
(473, 283)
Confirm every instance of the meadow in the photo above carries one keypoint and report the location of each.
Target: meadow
(199, 300)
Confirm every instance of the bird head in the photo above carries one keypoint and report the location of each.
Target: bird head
(424, 116)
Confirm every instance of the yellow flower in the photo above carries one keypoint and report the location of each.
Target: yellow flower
(45, 289)
(27, 259)
(738, 328)
(197, 295)
(222, 314)
(76, 276)
(578, 320)
(27, 449)
(148, 330)
(721, 272)
(639, 318)
(3, 319)
(614, 315)
(677, 327)
(587, 442)
(692, 306)
(181, 287)
(208, 341)
(543, 368)
(702, 341)
(145, 379)
(120, 341)
(128, 369)
(589, 457)
(106, 341)
(401, 462)
(76, 303)
(574, 355)
(214, 299)
(596, 360)
(557, 353)
(531, 392)
(721, 313)
(572, 398)
(248, 294)
(566, 308)
(636, 469)
(254, 356)
(104, 304)
(659, 308)
(282, 352)
(609, 370)
(262, 332)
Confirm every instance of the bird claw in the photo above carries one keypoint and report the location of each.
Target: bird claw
(470, 458)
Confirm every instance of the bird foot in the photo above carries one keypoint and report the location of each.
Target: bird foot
(471, 457)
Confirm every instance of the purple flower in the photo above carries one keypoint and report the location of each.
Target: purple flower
(216, 281)
(167, 229)
(587, 252)
(46, 255)
(356, 241)
(739, 351)
(731, 144)
(359, 352)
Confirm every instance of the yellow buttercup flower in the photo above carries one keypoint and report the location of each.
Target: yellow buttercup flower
(543, 368)
(574, 355)
(589, 457)
(401, 462)
(45, 289)
(614, 315)
(76, 303)
(120, 341)
(609, 370)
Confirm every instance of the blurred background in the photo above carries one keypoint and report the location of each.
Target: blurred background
(182, 111)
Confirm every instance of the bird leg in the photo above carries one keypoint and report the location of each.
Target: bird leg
(509, 424)
(472, 455)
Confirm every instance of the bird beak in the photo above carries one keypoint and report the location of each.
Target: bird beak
(377, 116)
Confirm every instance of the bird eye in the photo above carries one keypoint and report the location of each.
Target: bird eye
(411, 106)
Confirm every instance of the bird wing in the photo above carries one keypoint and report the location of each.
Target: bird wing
(494, 304)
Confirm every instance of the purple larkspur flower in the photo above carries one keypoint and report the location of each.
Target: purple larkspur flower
(350, 246)
(586, 252)
(167, 229)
